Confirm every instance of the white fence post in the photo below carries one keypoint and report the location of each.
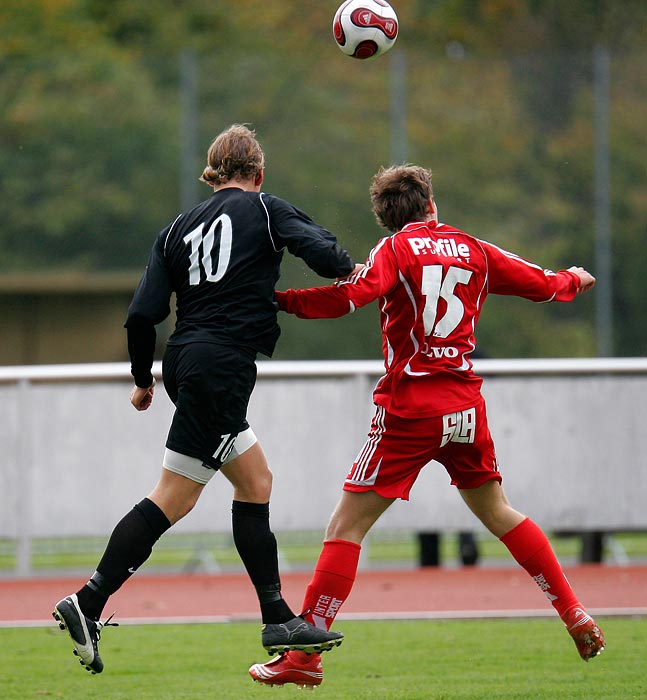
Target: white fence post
(24, 490)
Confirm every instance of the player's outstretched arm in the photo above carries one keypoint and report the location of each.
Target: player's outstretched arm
(363, 285)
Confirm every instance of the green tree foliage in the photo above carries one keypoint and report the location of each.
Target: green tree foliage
(82, 143)
(499, 104)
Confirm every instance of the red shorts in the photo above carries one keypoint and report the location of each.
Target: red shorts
(398, 448)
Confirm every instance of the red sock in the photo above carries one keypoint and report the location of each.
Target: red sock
(331, 582)
(530, 547)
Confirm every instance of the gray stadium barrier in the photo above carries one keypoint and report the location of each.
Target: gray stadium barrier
(77, 456)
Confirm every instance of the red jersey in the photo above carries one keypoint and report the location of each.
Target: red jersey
(430, 281)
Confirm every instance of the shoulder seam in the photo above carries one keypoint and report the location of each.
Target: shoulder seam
(170, 231)
(269, 227)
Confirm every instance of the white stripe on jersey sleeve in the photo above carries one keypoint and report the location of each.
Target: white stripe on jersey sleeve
(514, 256)
(370, 261)
(547, 301)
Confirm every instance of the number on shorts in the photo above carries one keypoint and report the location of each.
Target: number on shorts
(225, 447)
(459, 426)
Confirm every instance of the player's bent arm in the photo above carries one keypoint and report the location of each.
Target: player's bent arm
(306, 239)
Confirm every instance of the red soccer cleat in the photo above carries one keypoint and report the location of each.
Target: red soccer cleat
(587, 636)
(305, 671)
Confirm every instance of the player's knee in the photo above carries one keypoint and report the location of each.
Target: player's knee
(256, 489)
(343, 526)
(178, 509)
(499, 520)
(263, 486)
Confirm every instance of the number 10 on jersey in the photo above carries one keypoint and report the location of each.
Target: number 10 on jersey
(198, 240)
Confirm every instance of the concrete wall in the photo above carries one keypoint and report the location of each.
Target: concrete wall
(77, 456)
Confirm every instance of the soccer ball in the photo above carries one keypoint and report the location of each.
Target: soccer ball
(365, 28)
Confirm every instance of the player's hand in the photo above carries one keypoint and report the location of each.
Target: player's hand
(140, 398)
(358, 268)
(587, 281)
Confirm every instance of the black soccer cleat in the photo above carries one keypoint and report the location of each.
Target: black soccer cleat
(85, 633)
(300, 635)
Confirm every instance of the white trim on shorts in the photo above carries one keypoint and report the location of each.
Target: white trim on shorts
(194, 469)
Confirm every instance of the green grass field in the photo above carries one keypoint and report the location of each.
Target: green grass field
(410, 660)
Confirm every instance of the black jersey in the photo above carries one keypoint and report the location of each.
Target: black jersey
(222, 260)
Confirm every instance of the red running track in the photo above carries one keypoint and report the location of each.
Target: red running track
(417, 593)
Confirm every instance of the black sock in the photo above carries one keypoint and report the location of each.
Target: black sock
(130, 545)
(257, 548)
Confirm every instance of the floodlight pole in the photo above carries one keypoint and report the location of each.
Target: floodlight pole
(603, 268)
(189, 195)
(398, 90)
(593, 541)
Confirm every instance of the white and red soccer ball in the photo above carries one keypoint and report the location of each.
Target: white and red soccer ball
(365, 28)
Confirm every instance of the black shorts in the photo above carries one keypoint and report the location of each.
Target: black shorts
(210, 385)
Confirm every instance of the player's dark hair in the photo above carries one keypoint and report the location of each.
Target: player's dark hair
(401, 194)
(234, 154)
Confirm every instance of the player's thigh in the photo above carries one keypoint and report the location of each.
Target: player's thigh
(394, 454)
(210, 385)
(468, 452)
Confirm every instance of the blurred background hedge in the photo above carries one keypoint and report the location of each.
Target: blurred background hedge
(532, 115)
